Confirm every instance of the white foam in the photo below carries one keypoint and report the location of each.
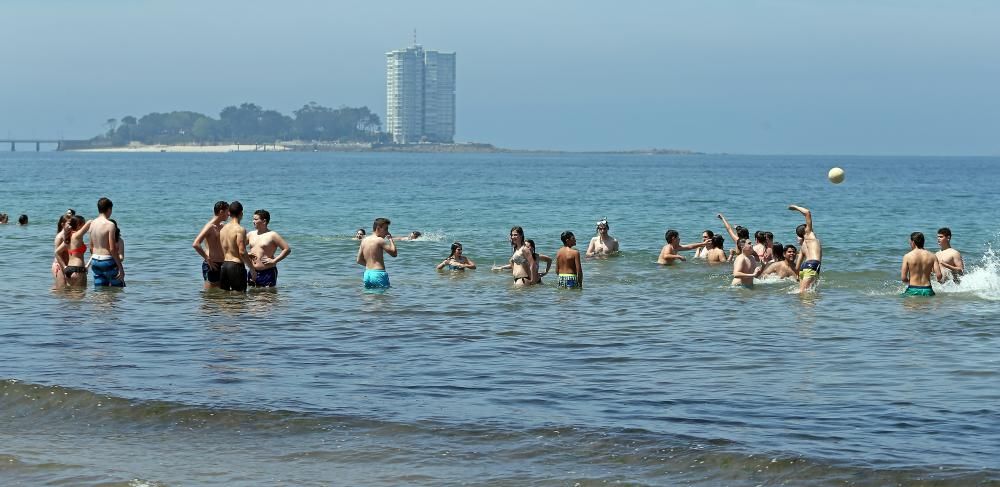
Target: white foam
(981, 279)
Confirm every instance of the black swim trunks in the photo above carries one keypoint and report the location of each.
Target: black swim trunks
(265, 278)
(73, 269)
(208, 274)
(233, 276)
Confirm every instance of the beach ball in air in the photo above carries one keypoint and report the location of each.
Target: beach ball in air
(836, 175)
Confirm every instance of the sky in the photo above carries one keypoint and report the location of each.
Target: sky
(873, 77)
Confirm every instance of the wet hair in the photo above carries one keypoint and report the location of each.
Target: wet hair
(801, 230)
(758, 236)
(220, 206)
(718, 241)
(741, 243)
(604, 222)
(70, 211)
(3, 218)
(264, 215)
(670, 235)
(362, 230)
(710, 233)
(76, 221)
(415, 234)
(945, 231)
(742, 232)
(789, 246)
(104, 205)
(533, 253)
(379, 222)
(565, 236)
(768, 236)
(519, 231)
(776, 249)
(236, 209)
(59, 226)
(22, 220)
(118, 231)
(918, 239)
(456, 245)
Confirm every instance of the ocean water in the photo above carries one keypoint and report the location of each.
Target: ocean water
(649, 376)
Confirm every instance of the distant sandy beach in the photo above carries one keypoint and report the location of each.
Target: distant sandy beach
(191, 148)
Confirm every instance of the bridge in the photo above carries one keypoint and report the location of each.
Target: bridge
(60, 143)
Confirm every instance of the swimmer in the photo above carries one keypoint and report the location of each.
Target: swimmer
(22, 220)
(263, 243)
(744, 267)
(735, 234)
(412, 236)
(918, 264)
(669, 252)
(4, 218)
(105, 261)
(456, 261)
(568, 265)
(212, 254)
(360, 234)
(522, 262)
(716, 254)
(235, 260)
(60, 253)
(949, 258)
(785, 267)
(602, 244)
(74, 268)
(811, 253)
(371, 254)
(706, 236)
(538, 258)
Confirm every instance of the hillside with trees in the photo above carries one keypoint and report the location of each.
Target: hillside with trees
(247, 124)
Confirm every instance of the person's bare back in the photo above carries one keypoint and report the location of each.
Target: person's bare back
(372, 252)
(918, 264)
(232, 238)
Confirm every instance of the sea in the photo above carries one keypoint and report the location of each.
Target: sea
(650, 375)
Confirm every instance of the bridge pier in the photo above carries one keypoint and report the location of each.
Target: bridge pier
(12, 149)
(38, 146)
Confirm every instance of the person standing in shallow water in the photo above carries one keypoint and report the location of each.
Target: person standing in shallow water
(104, 256)
(212, 254)
(263, 243)
(810, 253)
(918, 264)
(568, 266)
(603, 243)
(235, 261)
(522, 262)
(371, 254)
(456, 261)
(949, 258)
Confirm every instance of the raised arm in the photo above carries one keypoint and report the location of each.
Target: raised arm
(389, 245)
(806, 213)
(732, 234)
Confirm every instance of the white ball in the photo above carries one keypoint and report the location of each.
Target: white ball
(836, 175)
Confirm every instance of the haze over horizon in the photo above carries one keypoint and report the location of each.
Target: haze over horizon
(767, 77)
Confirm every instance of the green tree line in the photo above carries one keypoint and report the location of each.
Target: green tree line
(248, 123)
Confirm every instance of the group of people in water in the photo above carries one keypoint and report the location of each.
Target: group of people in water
(234, 259)
(5, 219)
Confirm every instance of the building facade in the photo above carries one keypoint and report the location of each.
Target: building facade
(420, 96)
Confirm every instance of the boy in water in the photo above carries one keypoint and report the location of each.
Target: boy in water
(235, 261)
(669, 252)
(105, 261)
(370, 254)
(811, 254)
(948, 257)
(568, 263)
(744, 267)
(213, 255)
(263, 243)
(917, 267)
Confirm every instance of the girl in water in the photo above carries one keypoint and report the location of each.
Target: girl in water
(456, 261)
(62, 231)
(74, 268)
(522, 262)
(538, 257)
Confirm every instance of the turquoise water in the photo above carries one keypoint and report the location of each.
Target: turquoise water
(651, 375)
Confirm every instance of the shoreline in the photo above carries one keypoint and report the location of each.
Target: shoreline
(363, 147)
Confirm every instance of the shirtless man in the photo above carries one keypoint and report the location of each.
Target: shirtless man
(602, 244)
(948, 257)
(263, 242)
(235, 260)
(104, 261)
(744, 267)
(811, 254)
(716, 254)
(370, 254)
(669, 252)
(568, 265)
(785, 267)
(917, 267)
(213, 256)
